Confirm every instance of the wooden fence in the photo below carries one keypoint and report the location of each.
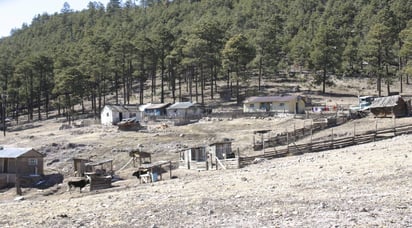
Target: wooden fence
(330, 144)
(286, 138)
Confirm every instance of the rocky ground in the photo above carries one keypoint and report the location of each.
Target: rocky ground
(362, 186)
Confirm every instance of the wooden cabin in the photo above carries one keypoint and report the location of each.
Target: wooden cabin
(19, 162)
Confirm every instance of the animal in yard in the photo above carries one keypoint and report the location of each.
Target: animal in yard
(163, 126)
(140, 172)
(78, 183)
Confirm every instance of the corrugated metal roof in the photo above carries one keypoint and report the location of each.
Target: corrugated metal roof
(143, 106)
(13, 152)
(182, 105)
(270, 99)
(381, 102)
(157, 106)
(123, 108)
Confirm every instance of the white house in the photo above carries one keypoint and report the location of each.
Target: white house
(112, 114)
(283, 104)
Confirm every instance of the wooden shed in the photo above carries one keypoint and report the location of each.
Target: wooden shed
(221, 150)
(19, 162)
(389, 106)
(193, 158)
(141, 156)
(221, 155)
(101, 174)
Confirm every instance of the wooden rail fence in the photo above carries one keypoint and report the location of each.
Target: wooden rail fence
(330, 144)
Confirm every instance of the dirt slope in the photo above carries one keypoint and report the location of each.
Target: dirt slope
(362, 186)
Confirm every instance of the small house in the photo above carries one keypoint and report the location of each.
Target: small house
(184, 110)
(282, 104)
(19, 162)
(113, 114)
(193, 158)
(156, 109)
(389, 106)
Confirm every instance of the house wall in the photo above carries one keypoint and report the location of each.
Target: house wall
(106, 116)
(275, 106)
(183, 113)
(109, 116)
(155, 112)
(176, 113)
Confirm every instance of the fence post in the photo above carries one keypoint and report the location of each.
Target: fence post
(394, 123)
(332, 140)
(238, 158)
(376, 130)
(287, 140)
(354, 132)
(311, 136)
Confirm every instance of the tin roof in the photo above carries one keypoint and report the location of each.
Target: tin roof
(381, 102)
(123, 108)
(270, 99)
(13, 152)
(182, 105)
(157, 106)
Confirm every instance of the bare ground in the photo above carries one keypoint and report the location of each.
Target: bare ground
(366, 185)
(361, 186)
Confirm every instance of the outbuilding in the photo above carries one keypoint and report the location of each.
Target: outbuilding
(193, 158)
(113, 114)
(280, 104)
(389, 106)
(184, 110)
(19, 162)
(156, 109)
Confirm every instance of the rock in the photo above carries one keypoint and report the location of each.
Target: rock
(19, 198)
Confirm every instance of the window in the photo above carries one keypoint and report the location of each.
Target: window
(282, 104)
(251, 105)
(32, 161)
(107, 114)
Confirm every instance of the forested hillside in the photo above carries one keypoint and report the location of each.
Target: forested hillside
(158, 51)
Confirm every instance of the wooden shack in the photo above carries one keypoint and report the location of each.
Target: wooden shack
(193, 158)
(221, 155)
(100, 172)
(79, 166)
(221, 150)
(18, 163)
(389, 106)
(154, 171)
(141, 156)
